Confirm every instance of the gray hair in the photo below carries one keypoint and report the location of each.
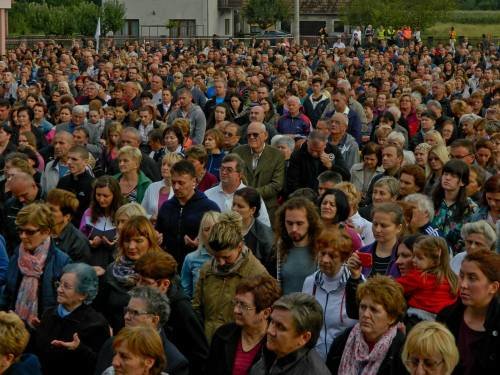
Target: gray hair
(396, 112)
(281, 139)
(434, 103)
(468, 117)
(344, 82)
(132, 130)
(389, 182)
(78, 110)
(423, 203)
(397, 137)
(261, 125)
(87, 282)
(480, 227)
(306, 312)
(294, 98)
(157, 303)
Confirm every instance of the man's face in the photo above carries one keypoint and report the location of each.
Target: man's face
(339, 102)
(390, 159)
(323, 186)
(23, 191)
(228, 174)
(76, 164)
(62, 144)
(297, 225)
(282, 336)
(146, 117)
(78, 118)
(463, 154)
(316, 147)
(339, 124)
(256, 136)
(220, 89)
(293, 106)
(231, 137)
(92, 91)
(257, 114)
(4, 137)
(407, 185)
(188, 82)
(136, 313)
(80, 138)
(183, 185)
(129, 139)
(4, 113)
(184, 100)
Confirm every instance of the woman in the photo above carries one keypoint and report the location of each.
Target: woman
(434, 138)
(438, 157)
(421, 157)
(427, 123)
(159, 192)
(385, 189)
(448, 131)
(220, 114)
(430, 349)
(137, 237)
(374, 345)
(25, 117)
(328, 284)
(139, 350)
(237, 346)
(214, 141)
(270, 116)
(404, 257)
(237, 110)
(65, 114)
(98, 220)
(28, 140)
(477, 178)
(476, 235)
(133, 182)
(476, 314)
(35, 266)
(485, 155)
(257, 236)
(125, 212)
(15, 338)
(334, 211)
(63, 205)
(40, 121)
(193, 261)
(112, 146)
(362, 173)
(173, 139)
(219, 277)
(71, 334)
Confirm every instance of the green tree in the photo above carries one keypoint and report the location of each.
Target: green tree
(415, 13)
(113, 16)
(266, 13)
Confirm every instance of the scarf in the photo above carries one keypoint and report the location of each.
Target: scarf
(230, 268)
(31, 266)
(123, 270)
(357, 358)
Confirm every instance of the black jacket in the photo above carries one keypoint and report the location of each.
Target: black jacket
(391, 365)
(223, 350)
(81, 186)
(304, 169)
(301, 362)
(92, 329)
(74, 243)
(488, 348)
(185, 330)
(260, 240)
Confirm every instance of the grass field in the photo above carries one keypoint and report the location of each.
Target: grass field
(441, 30)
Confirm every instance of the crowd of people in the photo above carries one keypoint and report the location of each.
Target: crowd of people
(250, 209)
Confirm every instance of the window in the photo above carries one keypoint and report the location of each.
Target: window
(182, 28)
(227, 26)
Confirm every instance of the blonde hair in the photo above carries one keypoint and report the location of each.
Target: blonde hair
(226, 234)
(438, 138)
(429, 339)
(208, 217)
(171, 158)
(352, 193)
(14, 334)
(130, 209)
(37, 214)
(131, 152)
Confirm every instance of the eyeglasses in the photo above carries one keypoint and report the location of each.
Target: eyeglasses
(63, 286)
(428, 364)
(459, 157)
(133, 313)
(28, 232)
(228, 134)
(253, 135)
(227, 169)
(242, 305)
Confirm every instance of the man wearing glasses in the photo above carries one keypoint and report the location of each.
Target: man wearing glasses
(463, 149)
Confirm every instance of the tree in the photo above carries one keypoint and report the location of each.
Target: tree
(113, 16)
(266, 13)
(415, 13)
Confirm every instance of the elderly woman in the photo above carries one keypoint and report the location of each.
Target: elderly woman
(237, 346)
(374, 345)
(362, 173)
(477, 235)
(385, 190)
(15, 338)
(328, 284)
(137, 237)
(71, 334)
(159, 192)
(133, 182)
(35, 266)
(476, 314)
(430, 349)
(232, 261)
(421, 155)
(173, 138)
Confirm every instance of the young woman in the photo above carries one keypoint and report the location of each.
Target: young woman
(112, 146)
(214, 141)
(438, 157)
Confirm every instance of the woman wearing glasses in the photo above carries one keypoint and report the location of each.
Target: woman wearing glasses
(72, 332)
(35, 267)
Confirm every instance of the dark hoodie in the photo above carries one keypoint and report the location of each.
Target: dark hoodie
(27, 364)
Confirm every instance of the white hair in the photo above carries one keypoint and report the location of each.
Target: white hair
(395, 112)
(423, 203)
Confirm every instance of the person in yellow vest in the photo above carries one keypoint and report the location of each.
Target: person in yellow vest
(453, 37)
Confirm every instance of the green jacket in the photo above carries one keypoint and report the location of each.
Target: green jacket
(142, 184)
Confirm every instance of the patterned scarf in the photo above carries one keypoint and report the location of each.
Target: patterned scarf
(357, 357)
(31, 266)
(124, 271)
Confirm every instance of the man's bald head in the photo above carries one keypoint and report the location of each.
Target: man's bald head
(23, 187)
(257, 114)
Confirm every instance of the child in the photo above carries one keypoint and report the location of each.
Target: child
(381, 134)
(431, 285)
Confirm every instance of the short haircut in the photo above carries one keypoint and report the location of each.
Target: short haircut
(81, 151)
(329, 176)
(417, 172)
(15, 336)
(240, 164)
(157, 266)
(307, 314)
(281, 139)
(252, 197)
(138, 226)
(422, 202)
(130, 209)
(390, 183)
(177, 130)
(37, 214)
(338, 240)
(465, 143)
(87, 282)
(131, 152)
(157, 303)
(399, 150)
(264, 288)
(386, 292)
(352, 193)
(480, 227)
(226, 234)
(183, 167)
(65, 200)
(197, 152)
(217, 135)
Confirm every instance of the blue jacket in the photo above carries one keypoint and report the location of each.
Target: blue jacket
(4, 262)
(27, 364)
(299, 125)
(47, 298)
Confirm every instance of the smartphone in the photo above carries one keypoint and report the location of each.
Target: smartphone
(366, 259)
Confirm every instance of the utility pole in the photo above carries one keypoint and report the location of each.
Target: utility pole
(296, 26)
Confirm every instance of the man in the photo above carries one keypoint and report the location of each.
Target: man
(353, 104)
(344, 141)
(422, 215)
(315, 156)
(257, 114)
(159, 271)
(232, 136)
(165, 106)
(264, 165)
(146, 124)
(198, 96)
(411, 180)
(156, 89)
(328, 180)
(316, 102)
(231, 179)
(339, 100)
(79, 180)
(463, 149)
(24, 191)
(4, 111)
(179, 218)
(81, 138)
(57, 168)
(293, 330)
(78, 117)
(294, 122)
(193, 112)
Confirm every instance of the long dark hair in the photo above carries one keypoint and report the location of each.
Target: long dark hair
(252, 197)
(96, 210)
(460, 169)
(341, 204)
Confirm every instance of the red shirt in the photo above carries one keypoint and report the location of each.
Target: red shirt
(208, 181)
(243, 360)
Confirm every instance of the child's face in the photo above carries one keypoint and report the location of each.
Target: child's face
(382, 141)
(94, 117)
(421, 262)
(109, 115)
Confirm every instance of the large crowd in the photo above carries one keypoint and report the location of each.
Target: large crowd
(255, 209)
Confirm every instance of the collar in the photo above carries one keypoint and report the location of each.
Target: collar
(260, 153)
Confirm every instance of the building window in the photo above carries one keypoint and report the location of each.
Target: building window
(130, 28)
(338, 26)
(182, 28)
(227, 26)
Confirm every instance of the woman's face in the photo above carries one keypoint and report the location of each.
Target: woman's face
(23, 141)
(493, 201)
(235, 103)
(23, 119)
(135, 247)
(39, 113)
(447, 131)
(475, 288)
(241, 206)
(328, 208)
(127, 164)
(226, 258)
(210, 143)
(66, 292)
(65, 115)
(404, 259)
(385, 230)
(103, 197)
(165, 170)
(127, 363)
(430, 139)
(244, 311)
(114, 138)
(473, 186)
(381, 194)
(426, 365)
(475, 242)
(421, 157)
(171, 141)
(120, 113)
(373, 319)
(32, 236)
(483, 155)
(426, 123)
(434, 162)
(329, 261)
(30, 101)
